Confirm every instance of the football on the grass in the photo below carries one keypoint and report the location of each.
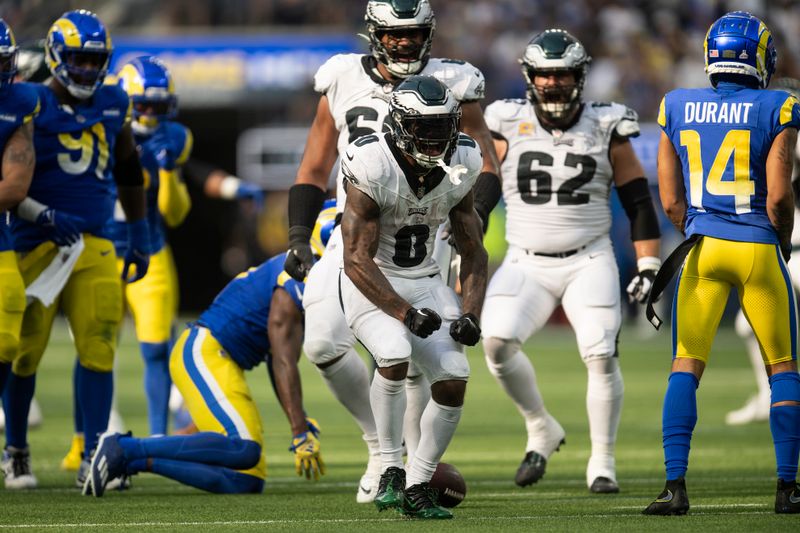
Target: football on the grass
(451, 485)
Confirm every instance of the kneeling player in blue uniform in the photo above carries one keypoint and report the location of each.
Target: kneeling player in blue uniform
(257, 317)
(724, 175)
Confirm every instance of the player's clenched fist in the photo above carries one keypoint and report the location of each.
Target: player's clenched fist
(307, 458)
(300, 258)
(422, 322)
(466, 330)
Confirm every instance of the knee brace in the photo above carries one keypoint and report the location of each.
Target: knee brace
(602, 365)
(499, 351)
(785, 387)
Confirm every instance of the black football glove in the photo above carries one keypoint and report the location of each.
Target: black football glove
(299, 258)
(466, 330)
(642, 283)
(422, 322)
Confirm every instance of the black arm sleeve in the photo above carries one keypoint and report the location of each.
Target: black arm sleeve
(635, 199)
(305, 203)
(128, 171)
(487, 191)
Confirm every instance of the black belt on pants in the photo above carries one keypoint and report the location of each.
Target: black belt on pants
(666, 273)
(556, 254)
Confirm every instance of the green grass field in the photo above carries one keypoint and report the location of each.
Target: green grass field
(731, 478)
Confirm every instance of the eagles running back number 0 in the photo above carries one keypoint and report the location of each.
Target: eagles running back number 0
(543, 191)
(409, 249)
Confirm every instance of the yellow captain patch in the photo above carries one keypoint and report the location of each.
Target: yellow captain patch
(526, 128)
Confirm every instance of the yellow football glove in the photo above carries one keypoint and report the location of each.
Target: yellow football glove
(307, 459)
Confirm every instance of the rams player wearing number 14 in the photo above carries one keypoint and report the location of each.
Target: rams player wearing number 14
(85, 146)
(724, 172)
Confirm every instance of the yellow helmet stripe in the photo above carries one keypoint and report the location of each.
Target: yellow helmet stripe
(764, 36)
(131, 80)
(72, 37)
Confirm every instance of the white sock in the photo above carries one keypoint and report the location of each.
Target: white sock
(418, 393)
(514, 372)
(604, 394)
(438, 425)
(348, 380)
(388, 399)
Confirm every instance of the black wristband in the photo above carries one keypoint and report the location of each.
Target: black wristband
(299, 235)
(305, 203)
(487, 191)
(638, 205)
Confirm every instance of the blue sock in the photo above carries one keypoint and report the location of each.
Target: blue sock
(156, 384)
(17, 403)
(95, 390)
(678, 421)
(77, 414)
(215, 479)
(5, 370)
(784, 422)
(205, 447)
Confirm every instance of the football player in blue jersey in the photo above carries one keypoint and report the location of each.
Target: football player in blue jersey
(19, 105)
(724, 172)
(85, 152)
(164, 147)
(257, 317)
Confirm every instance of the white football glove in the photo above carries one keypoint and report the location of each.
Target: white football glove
(642, 283)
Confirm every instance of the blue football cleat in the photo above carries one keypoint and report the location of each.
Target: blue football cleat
(108, 463)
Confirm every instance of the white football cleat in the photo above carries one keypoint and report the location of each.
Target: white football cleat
(755, 410)
(368, 484)
(16, 465)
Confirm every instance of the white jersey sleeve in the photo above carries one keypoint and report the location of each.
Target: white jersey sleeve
(503, 116)
(465, 80)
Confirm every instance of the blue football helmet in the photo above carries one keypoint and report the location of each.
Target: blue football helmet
(8, 55)
(739, 43)
(323, 229)
(77, 51)
(149, 85)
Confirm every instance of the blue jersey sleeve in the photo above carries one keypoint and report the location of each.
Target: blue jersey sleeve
(787, 113)
(293, 287)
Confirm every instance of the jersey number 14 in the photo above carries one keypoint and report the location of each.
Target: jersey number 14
(737, 144)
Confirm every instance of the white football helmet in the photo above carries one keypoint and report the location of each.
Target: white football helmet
(553, 51)
(386, 16)
(424, 118)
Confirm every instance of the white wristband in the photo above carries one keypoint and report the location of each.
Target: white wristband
(228, 187)
(648, 263)
(29, 209)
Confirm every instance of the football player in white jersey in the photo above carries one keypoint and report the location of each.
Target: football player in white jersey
(401, 187)
(756, 409)
(354, 101)
(560, 157)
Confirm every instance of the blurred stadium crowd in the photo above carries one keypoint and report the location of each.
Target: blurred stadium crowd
(640, 48)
